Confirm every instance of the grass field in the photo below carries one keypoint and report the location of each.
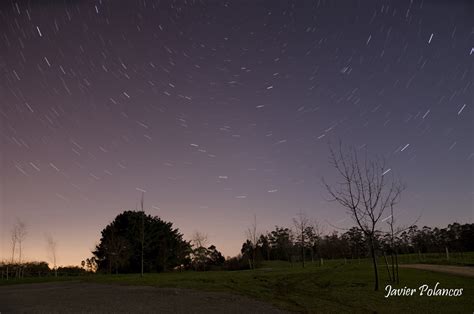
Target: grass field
(455, 258)
(333, 288)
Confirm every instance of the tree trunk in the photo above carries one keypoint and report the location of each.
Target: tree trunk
(386, 264)
(396, 262)
(374, 261)
(302, 245)
(253, 257)
(13, 252)
(393, 263)
(142, 238)
(302, 255)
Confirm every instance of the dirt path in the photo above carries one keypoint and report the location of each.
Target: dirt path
(455, 270)
(79, 297)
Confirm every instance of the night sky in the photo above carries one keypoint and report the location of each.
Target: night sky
(223, 110)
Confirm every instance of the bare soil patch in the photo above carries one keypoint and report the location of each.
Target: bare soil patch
(80, 297)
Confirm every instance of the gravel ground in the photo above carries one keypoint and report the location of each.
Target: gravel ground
(456, 270)
(79, 297)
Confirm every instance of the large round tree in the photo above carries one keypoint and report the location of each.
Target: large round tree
(120, 247)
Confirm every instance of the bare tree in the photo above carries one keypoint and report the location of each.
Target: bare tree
(393, 233)
(252, 236)
(314, 234)
(22, 233)
(301, 224)
(365, 191)
(14, 239)
(199, 239)
(51, 247)
(18, 236)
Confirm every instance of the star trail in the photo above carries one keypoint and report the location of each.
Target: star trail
(219, 110)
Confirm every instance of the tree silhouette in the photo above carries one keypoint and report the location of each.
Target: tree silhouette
(18, 236)
(252, 237)
(51, 246)
(120, 246)
(365, 191)
(301, 225)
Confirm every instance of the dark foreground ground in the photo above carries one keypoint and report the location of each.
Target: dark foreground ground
(338, 286)
(80, 297)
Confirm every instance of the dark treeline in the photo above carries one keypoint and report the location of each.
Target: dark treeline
(37, 269)
(284, 244)
(134, 234)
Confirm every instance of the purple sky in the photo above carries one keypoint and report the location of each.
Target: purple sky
(223, 110)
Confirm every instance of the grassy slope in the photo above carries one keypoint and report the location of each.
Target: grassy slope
(334, 288)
